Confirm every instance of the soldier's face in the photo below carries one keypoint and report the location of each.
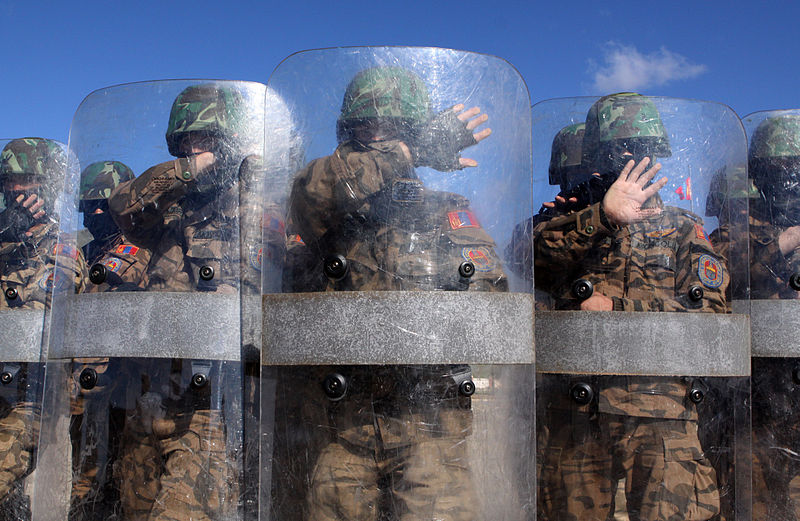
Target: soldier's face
(194, 143)
(21, 183)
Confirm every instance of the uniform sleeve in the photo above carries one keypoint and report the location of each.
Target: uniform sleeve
(697, 266)
(563, 242)
(329, 188)
(138, 206)
(770, 268)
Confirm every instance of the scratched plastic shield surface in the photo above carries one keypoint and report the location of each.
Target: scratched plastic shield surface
(642, 386)
(397, 360)
(147, 395)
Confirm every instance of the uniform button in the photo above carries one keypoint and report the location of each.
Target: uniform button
(12, 294)
(335, 386)
(696, 395)
(794, 281)
(206, 273)
(582, 289)
(466, 270)
(335, 267)
(581, 393)
(98, 274)
(6, 377)
(695, 293)
(186, 175)
(88, 378)
(589, 229)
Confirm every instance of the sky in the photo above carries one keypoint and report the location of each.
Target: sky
(738, 53)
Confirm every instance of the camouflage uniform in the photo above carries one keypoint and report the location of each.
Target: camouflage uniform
(30, 269)
(174, 463)
(396, 443)
(641, 428)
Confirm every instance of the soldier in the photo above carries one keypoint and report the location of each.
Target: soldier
(398, 434)
(774, 165)
(629, 252)
(32, 265)
(185, 212)
(116, 265)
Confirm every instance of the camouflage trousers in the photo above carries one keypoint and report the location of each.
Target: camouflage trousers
(666, 475)
(176, 469)
(776, 480)
(404, 468)
(18, 437)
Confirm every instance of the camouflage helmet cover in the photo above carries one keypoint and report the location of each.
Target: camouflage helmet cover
(386, 92)
(565, 154)
(725, 188)
(99, 179)
(776, 137)
(620, 117)
(34, 156)
(207, 108)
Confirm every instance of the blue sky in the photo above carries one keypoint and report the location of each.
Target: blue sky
(743, 54)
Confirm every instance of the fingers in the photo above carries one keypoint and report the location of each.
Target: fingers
(626, 170)
(483, 134)
(648, 176)
(636, 173)
(549, 204)
(467, 114)
(466, 162)
(483, 118)
(655, 187)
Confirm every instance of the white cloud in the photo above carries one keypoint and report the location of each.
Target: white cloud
(625, 68)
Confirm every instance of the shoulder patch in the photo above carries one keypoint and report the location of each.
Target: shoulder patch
(126, 249)
(65, 250)
(462, 219)
(113, 264)
(54, 279)
(481, 257)
(255, 257)
(710, 271)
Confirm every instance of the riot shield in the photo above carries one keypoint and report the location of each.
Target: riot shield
(774, 165)
(32, 174)
(147, 370)
(642, 379)
(397, 377)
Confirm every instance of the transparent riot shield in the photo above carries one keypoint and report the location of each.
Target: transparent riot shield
(32, 174)
(643, 370)
(397, 377)
(147, 379)
(774, 171)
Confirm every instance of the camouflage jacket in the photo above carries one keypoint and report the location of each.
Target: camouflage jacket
(187, 229)
(28, 269)
(125, 265)
(645, 266)
(366, 204)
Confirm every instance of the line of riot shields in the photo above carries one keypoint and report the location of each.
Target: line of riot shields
(382, 286)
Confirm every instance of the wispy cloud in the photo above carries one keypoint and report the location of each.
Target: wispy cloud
(625, 68)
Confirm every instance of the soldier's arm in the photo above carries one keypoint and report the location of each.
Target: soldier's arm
(327, 189)
(138, 206)
(767, 260)
(563, 242)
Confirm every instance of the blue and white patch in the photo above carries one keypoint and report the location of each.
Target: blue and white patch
(255, 257)
(710, 271)
(481, 257)
(55, 280)
(113, 264)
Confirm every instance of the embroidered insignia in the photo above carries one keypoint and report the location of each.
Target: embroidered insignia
(296, 239)
(112, 263)
(659, 234)
(128, 249)
(462, 219)
(54, 280)
(482, 258)
(255, 257)
(710, 271)
(701, 234)
(65, 250)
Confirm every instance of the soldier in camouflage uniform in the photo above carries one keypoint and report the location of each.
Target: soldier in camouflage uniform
(774, 165)
(185, 212)
(115, 265)
(397, 438)
(32, 265)
(638, 255)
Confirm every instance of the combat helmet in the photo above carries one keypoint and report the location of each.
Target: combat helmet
(565, 157)
(99, 179)
(392, 97)
(774, 165)
(209, 109)
(726, 190)
(618, 123)
(42, 159)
